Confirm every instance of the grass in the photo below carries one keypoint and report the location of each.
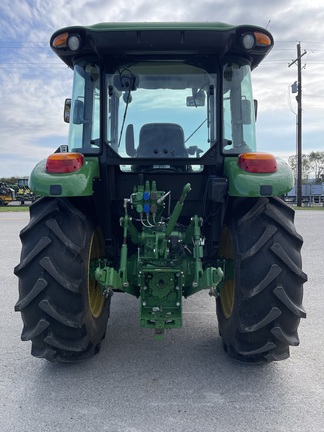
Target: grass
(11, 208)
(309, 208)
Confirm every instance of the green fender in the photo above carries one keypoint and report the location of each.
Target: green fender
(247, 184)
(77, 183)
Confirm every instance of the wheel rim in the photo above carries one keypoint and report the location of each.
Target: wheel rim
(228, 288)
(96, 299)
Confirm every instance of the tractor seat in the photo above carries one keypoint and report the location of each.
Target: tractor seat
(161, 140)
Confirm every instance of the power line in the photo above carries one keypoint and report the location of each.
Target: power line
(25, 63)
(302, 41)
(23, 43)
(312, 95)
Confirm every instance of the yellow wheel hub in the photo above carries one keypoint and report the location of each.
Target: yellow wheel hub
(96, 299)
(228, 288)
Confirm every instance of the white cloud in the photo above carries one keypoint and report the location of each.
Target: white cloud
(34, 82)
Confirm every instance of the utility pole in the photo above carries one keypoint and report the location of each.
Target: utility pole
(299, 124)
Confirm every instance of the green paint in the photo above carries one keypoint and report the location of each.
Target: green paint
(76, 184)
(245, 184)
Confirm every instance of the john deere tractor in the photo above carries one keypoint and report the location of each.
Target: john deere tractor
(160, 193)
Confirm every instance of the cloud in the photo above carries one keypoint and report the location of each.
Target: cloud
(35, 82)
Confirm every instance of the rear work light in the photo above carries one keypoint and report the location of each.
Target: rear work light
(65, 40)
(257, 162)
(60, 163)
(256, 39)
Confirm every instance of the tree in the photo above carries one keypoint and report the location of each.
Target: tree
(306, 168)
(316, 163)
(9, 180)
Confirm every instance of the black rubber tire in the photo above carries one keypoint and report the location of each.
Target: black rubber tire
(54, 284)
(260, 306)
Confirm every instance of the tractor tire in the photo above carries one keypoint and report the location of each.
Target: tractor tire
(260, 304)
(62, 308)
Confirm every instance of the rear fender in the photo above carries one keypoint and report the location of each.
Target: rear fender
(247, 184)
(74, 184)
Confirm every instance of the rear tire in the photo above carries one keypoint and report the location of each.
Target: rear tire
(260, 304)
(64, 314)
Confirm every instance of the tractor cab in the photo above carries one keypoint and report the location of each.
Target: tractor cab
(153, 112)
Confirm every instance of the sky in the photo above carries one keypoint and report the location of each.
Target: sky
(34, 82)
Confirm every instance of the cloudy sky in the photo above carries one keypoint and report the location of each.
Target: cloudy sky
(34, 82)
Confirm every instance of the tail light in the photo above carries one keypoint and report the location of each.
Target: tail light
(59, 163)
(257, 162)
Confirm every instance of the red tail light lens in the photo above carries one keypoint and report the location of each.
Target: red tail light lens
(59, 163)
(257, 162)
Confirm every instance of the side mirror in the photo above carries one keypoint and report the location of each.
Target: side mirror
(246, 111)
(255, 109)
(130, 145)
(197, 99)
(67, 110)
(78, 112)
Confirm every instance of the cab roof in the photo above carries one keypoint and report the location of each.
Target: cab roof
(161, 38)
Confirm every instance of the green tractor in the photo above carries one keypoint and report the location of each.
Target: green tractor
(23, 192)
(160, 193)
